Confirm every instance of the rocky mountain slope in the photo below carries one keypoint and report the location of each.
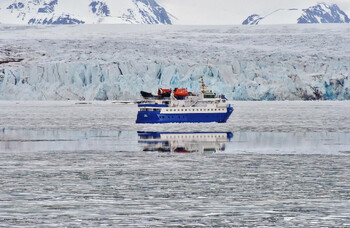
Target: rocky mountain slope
(320, 13)
(82, 11)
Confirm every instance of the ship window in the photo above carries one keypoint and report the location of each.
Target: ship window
(209, 96)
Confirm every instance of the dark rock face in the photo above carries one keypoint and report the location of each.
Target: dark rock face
(48, 7)
(252, 20)
(16, 5)
(62, 20)
(160, 16)
(100, 8)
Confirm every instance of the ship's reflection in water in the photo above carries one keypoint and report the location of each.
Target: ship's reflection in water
(184, 142)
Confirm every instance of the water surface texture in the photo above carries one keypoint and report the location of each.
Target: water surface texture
(282, 164)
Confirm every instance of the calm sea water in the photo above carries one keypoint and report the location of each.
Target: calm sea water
(283, 164)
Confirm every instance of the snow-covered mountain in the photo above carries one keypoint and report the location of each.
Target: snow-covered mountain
(320, 13)
(82, 11)
(190, 12)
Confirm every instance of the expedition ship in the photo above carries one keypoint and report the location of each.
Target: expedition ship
(181, 106)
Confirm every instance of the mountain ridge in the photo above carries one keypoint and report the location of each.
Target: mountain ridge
(83, 11)
(320, 13)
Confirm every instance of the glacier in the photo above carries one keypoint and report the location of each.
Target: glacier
(116, 62)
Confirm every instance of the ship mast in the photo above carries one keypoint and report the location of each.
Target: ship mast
(204, 89)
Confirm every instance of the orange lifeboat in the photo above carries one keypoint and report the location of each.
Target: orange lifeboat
(163, 91)
(180, 92)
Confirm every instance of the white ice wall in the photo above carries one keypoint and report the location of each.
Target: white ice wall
(242, 63)
(249, 80)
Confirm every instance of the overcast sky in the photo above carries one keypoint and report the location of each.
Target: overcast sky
(234, 11)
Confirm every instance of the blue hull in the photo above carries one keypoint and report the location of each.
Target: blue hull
(156, 117)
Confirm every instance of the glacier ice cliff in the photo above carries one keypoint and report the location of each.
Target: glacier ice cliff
(267, 63)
